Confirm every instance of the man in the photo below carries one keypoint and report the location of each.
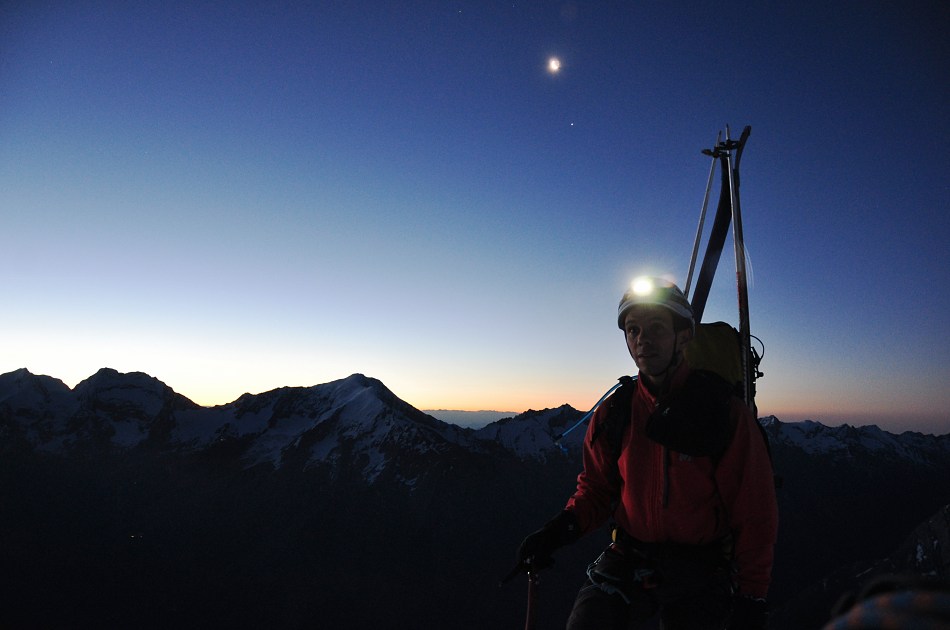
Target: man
(678, 464)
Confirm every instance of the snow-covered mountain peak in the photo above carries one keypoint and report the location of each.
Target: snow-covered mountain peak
(354, 421)
(770, 421)
(847, 442)
(133, 393)
(361, 400)
(533, 434)
(25, 387)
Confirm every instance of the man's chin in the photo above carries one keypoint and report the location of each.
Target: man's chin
(649, 368)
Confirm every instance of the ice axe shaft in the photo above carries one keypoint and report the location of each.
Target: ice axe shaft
(531, 620)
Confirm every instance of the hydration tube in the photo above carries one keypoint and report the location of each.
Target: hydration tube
(586, 418)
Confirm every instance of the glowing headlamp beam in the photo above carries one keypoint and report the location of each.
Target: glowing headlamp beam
(642, 286)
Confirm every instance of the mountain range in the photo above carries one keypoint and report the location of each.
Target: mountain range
(340, 505)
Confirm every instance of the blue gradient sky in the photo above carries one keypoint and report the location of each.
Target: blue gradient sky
(234, 197)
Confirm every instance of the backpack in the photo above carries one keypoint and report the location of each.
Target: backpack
(695, 421)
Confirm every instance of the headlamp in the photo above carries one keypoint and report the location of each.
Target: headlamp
(642, 286)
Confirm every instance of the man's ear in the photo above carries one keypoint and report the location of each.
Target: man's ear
(684, 336)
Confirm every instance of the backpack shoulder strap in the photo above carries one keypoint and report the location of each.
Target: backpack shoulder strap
(695, 419)
(619, 406)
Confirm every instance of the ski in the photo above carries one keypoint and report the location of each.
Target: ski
(742, 285)
(727, 153)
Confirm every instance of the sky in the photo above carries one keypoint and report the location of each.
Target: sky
(235, 197)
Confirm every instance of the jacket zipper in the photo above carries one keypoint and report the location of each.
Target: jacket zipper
(666, 477)
(666, 466)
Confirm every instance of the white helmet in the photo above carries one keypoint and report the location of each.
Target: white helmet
(653, 290)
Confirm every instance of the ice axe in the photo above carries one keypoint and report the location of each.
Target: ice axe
(531, 621)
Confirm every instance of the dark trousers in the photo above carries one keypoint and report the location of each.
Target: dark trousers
(627, 592)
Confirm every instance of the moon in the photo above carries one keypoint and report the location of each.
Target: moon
(554, 65)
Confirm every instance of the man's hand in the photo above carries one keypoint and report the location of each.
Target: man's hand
(535, 551)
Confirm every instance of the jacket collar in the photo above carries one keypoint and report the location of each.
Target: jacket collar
(676, 381)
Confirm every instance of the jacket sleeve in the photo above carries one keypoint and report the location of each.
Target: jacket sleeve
(598, 485)
(744, 477)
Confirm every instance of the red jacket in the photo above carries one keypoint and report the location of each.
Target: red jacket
(684, 499)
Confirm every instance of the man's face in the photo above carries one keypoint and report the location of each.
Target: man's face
(651, 339)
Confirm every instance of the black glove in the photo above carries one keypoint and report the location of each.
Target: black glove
(535, 551)
(749, 613)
